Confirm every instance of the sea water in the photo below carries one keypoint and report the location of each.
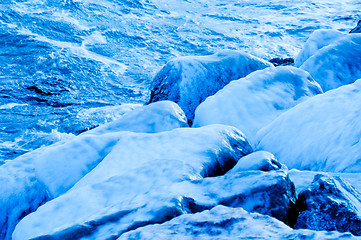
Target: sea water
(70, 65)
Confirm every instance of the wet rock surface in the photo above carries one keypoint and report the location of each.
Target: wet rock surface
(330, 204)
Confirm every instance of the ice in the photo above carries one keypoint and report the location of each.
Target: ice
(259, 160)
(227, 223)
(156, 117)
(302, 179)
(32, 179)
(336, 64)
(320, 134)
(252, 102)
(130, 187)
(317, 40)
(188, 81)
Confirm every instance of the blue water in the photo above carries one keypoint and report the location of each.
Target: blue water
(69, 65)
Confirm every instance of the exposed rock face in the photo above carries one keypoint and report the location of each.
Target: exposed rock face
(269, 193)
(336, 64)
(255, 101)
(227, 223)
(330, 204)
(188, 81)
(282, 61)
(357, 29)
(320, 134)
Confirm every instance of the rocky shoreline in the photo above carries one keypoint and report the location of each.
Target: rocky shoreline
(209, 156)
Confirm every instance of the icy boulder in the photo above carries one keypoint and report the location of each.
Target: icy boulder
(269, 193)
(254, 101)
(260, 160)
(132, 186)
(154, 193)
(330, 204)
(320, 134)
(336, 64)
(189, 80)
(156, 117)
(20, 193)
(317, 40)
(227, 223)
(34, 178)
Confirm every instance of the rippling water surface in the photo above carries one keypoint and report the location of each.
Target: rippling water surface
(69, 65)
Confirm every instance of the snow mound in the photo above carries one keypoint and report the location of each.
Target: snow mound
(130, 187)
(317, 40)
(336, 64)
(156, 117)
(34, 178)
(320, 134)
(227, 223)
(253, 102)
(190, 80)
(260, 160)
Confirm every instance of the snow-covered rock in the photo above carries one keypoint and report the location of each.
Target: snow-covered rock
(20, 193)
(253, 102)
(131, 187)
(156, 117)
(357, 29)
(317, 40)
(270, 193)
(227, 223)
(330, 204)
(320, 134)
(336, 64)
(190, 80)
(34, 178)
(303, 179)
(259, 160)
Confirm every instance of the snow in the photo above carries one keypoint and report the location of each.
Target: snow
(32, 179)
(130, 187)
(320, 134)
(20, 193)
(253, 102)
(156, 117)
(259, 160)
(336, 64)
(188, 81)
(302, 179)
(317, 40)
(227, 223)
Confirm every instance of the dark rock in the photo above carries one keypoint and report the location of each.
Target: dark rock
(188, 81)
(282, 61)
(357, 29)
(329, 204)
